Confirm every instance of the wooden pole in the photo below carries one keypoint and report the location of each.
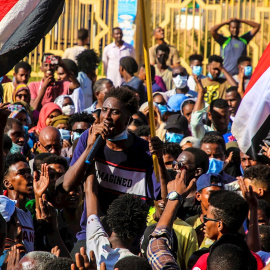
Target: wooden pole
(149, 82)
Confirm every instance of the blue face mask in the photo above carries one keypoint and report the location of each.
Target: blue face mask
(174, 137)
(210, 76)
(215, 165)
(248, 71)
(197, 70)
(119, 137)
(16, 148)
(65, 134)
(162, 108)
(75, 136)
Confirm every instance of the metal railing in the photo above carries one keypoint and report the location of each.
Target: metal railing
(186, 24)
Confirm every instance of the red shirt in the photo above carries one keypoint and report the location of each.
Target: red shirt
(52, 92)
(201, 264)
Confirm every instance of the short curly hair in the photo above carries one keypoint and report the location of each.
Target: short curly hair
(126, 96)
(81, 117)
(230, 208)
(259, 175)
(212, 137)
(173, 149)
(127, 216)
(11, 159)
(88, 61)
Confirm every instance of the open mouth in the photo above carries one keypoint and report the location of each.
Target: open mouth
(72, 199)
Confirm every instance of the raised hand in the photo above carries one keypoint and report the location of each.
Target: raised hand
(55, 251)
(248, 193)
(155, 146)
(14, 258)
(83, 263)
(40, 185)
(46, 213)
(179, 184)
(198, 82)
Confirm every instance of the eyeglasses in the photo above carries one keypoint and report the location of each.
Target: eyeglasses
(80, 131)
(205, 219)
(50, 147)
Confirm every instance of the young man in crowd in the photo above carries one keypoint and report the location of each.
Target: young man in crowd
(112, 54)
(247, 161)
(258, 178)
(195, 161)
(118, 159)
(88, 62)
(214, 146)
(161, 67)
(195, 62)
(126, 218)
(73, 52)
(180, 79)
(218, 113)
(234, 46)
(157, 86)
(234, 99)
(224, 218)
(214, 84)
(15, 131)
(245, 71)
(173, 57)
(48, 89)
(206, 184)
(171, 152)
(18, 182)
(21, 74)
(128, 66)
(99, 90)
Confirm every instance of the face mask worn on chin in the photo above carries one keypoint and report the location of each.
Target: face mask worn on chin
(174, 137)
(75, 136)
(215, 165)
(162, 108)
(68, 110)
(180, 81)
(16, 148)
(248, 71)
(197, 70)
(122, 136)
(210, 76)
(65, 134)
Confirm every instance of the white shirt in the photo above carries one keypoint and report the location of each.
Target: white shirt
(97, 240)
(191, 82)
(28, 231)
(73, 52)
(111, 57)
(86, 86)
(78, 99)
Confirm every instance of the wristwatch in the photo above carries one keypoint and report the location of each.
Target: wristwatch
(173, 196)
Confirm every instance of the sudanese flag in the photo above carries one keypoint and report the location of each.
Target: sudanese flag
(252, 122)
(23, 23)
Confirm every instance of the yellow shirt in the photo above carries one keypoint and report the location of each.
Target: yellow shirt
(186, 236)
(195, 222)
(8, 91)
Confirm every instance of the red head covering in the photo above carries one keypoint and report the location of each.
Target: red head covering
(46, 110)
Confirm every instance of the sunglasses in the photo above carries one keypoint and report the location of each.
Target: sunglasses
(205, 219)
(178, 165)
(49, 148)
(176, 74)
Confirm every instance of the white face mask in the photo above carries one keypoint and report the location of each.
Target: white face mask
(180, 81)
(68, 110)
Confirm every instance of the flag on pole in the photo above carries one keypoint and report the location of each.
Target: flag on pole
(23, 23)
(252, 122)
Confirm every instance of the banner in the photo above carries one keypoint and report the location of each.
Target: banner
(127, 11)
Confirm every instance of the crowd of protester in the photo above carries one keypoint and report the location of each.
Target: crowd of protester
(207, 208)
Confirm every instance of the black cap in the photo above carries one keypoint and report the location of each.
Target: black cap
(177, 121)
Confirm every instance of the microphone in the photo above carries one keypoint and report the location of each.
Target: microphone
(98, 143)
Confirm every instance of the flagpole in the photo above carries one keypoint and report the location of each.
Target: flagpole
(149, 84)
